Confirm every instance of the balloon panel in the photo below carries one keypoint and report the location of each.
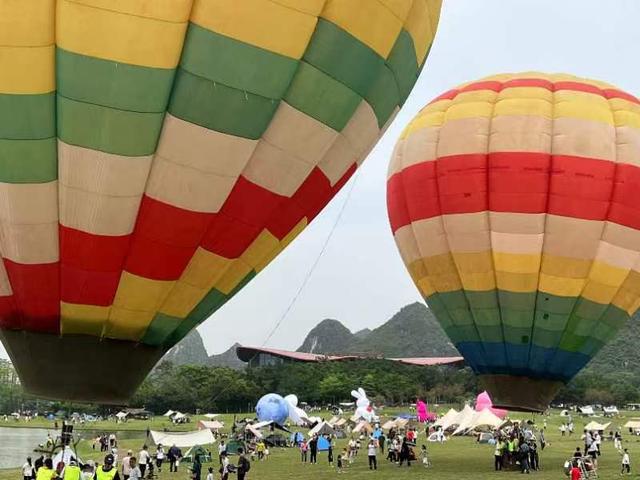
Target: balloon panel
(158, 155)
(272, 408)
(513, 203)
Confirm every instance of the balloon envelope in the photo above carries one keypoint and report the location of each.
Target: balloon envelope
(272, 408)
(483, 401)
(513, 201)
(157, 155)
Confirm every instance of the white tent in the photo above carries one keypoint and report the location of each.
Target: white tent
(485, 418)
(215, 425)
(564, 413)
(362, 426)
(323, 428)
(388, 425)
(169, 413)
(211, 416)
(333, 420)
(463, 417)
(634, 424)
(610, 411)
(183, 439)
(586, 410)
(121, 415)
(595, 426)
(446, 420)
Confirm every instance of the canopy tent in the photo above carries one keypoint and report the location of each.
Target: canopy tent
(255, 431)
(388, 425)
(169, 413)
(340, 423)
(333, 420)
(401, 422)
(347, 404)
(189, 456)
(464, 416)
(587, 410)
(183, 439)
(178, 415)
(323, 428)
(595, 426)
(634, 424)
(612, 410)
(121, 415)
(211, 416)
(485, 418)
(215, 425)
(362, 426)
(564, 413)
(446, 419)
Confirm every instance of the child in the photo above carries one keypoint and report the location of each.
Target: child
(626, 463)
(575, 472)
(266, 453)
(339, 464)
(425, 458)
(210, 474)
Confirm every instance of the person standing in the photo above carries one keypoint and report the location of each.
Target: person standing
(28, 470)
(46, 471)
(575, 472)
(196, 468)
(143, 460)
(243, 465)
(72, 471)
(626, 463)
(126, 465)
(405, 454)
(313, 450)
(38, 463)
(303, 450)
(107, 471)
(224, 467)
(222, 449)
(371, 453)
(331, 445)
(498, 455)
(381, 440)
(524, 457)
(617, 441)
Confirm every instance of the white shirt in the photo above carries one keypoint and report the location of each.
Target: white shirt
(125, 465)
(143, 457)
(625, 459)
(371, 450)
(27, 470)
(222, 448)
(160, 454)
(134, 473)
(209, 476)
(225, 465)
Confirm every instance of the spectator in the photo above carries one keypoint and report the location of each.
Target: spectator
(626, 463)
(134, 470)
(303, 450)
(28, 470)
(243, 465)
(371, 453)
(126, 466)
(143, 460)
(313, 450)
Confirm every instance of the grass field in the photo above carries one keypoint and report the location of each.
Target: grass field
(459, 458)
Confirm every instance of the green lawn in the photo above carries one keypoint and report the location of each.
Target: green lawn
(459, 458)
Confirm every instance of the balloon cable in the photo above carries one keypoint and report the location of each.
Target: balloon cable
(309, 274)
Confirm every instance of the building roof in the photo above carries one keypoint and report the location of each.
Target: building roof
(246, 353)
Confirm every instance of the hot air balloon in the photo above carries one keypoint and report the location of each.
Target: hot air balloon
(513, 201)
(156, 155)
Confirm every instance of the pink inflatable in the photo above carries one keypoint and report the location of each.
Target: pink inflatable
(424, 415)
(484, 401)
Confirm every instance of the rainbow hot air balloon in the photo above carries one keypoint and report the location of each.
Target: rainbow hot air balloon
(156, 154)
(513, 201)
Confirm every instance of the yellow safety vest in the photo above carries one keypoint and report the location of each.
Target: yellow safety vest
(71, 472)
(102, 475)
(45, 473)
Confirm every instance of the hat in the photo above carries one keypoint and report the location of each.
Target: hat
(108, 459)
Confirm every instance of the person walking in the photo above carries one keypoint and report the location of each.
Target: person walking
(172, 457)
(524, 457)
(126, 465)
(159, 457)
(617, 441)
(224, 467)
(626, 463)
(313, 450)
(28, 470)
(405, 454)
(371, 453)
(143, 460)
(243, 465)
(381, 440)
(134, 470)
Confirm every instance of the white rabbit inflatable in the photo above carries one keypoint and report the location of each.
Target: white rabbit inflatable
(296, 415)
(364, 409)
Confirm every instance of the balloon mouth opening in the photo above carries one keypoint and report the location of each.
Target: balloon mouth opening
(79, 368)
(521, 394)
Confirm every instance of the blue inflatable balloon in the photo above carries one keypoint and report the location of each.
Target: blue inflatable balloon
(272, 408)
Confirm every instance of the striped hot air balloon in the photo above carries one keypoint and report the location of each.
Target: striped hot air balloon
(514, 204)
(155, 155)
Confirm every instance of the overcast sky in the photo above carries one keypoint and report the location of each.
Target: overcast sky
(360, 279)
